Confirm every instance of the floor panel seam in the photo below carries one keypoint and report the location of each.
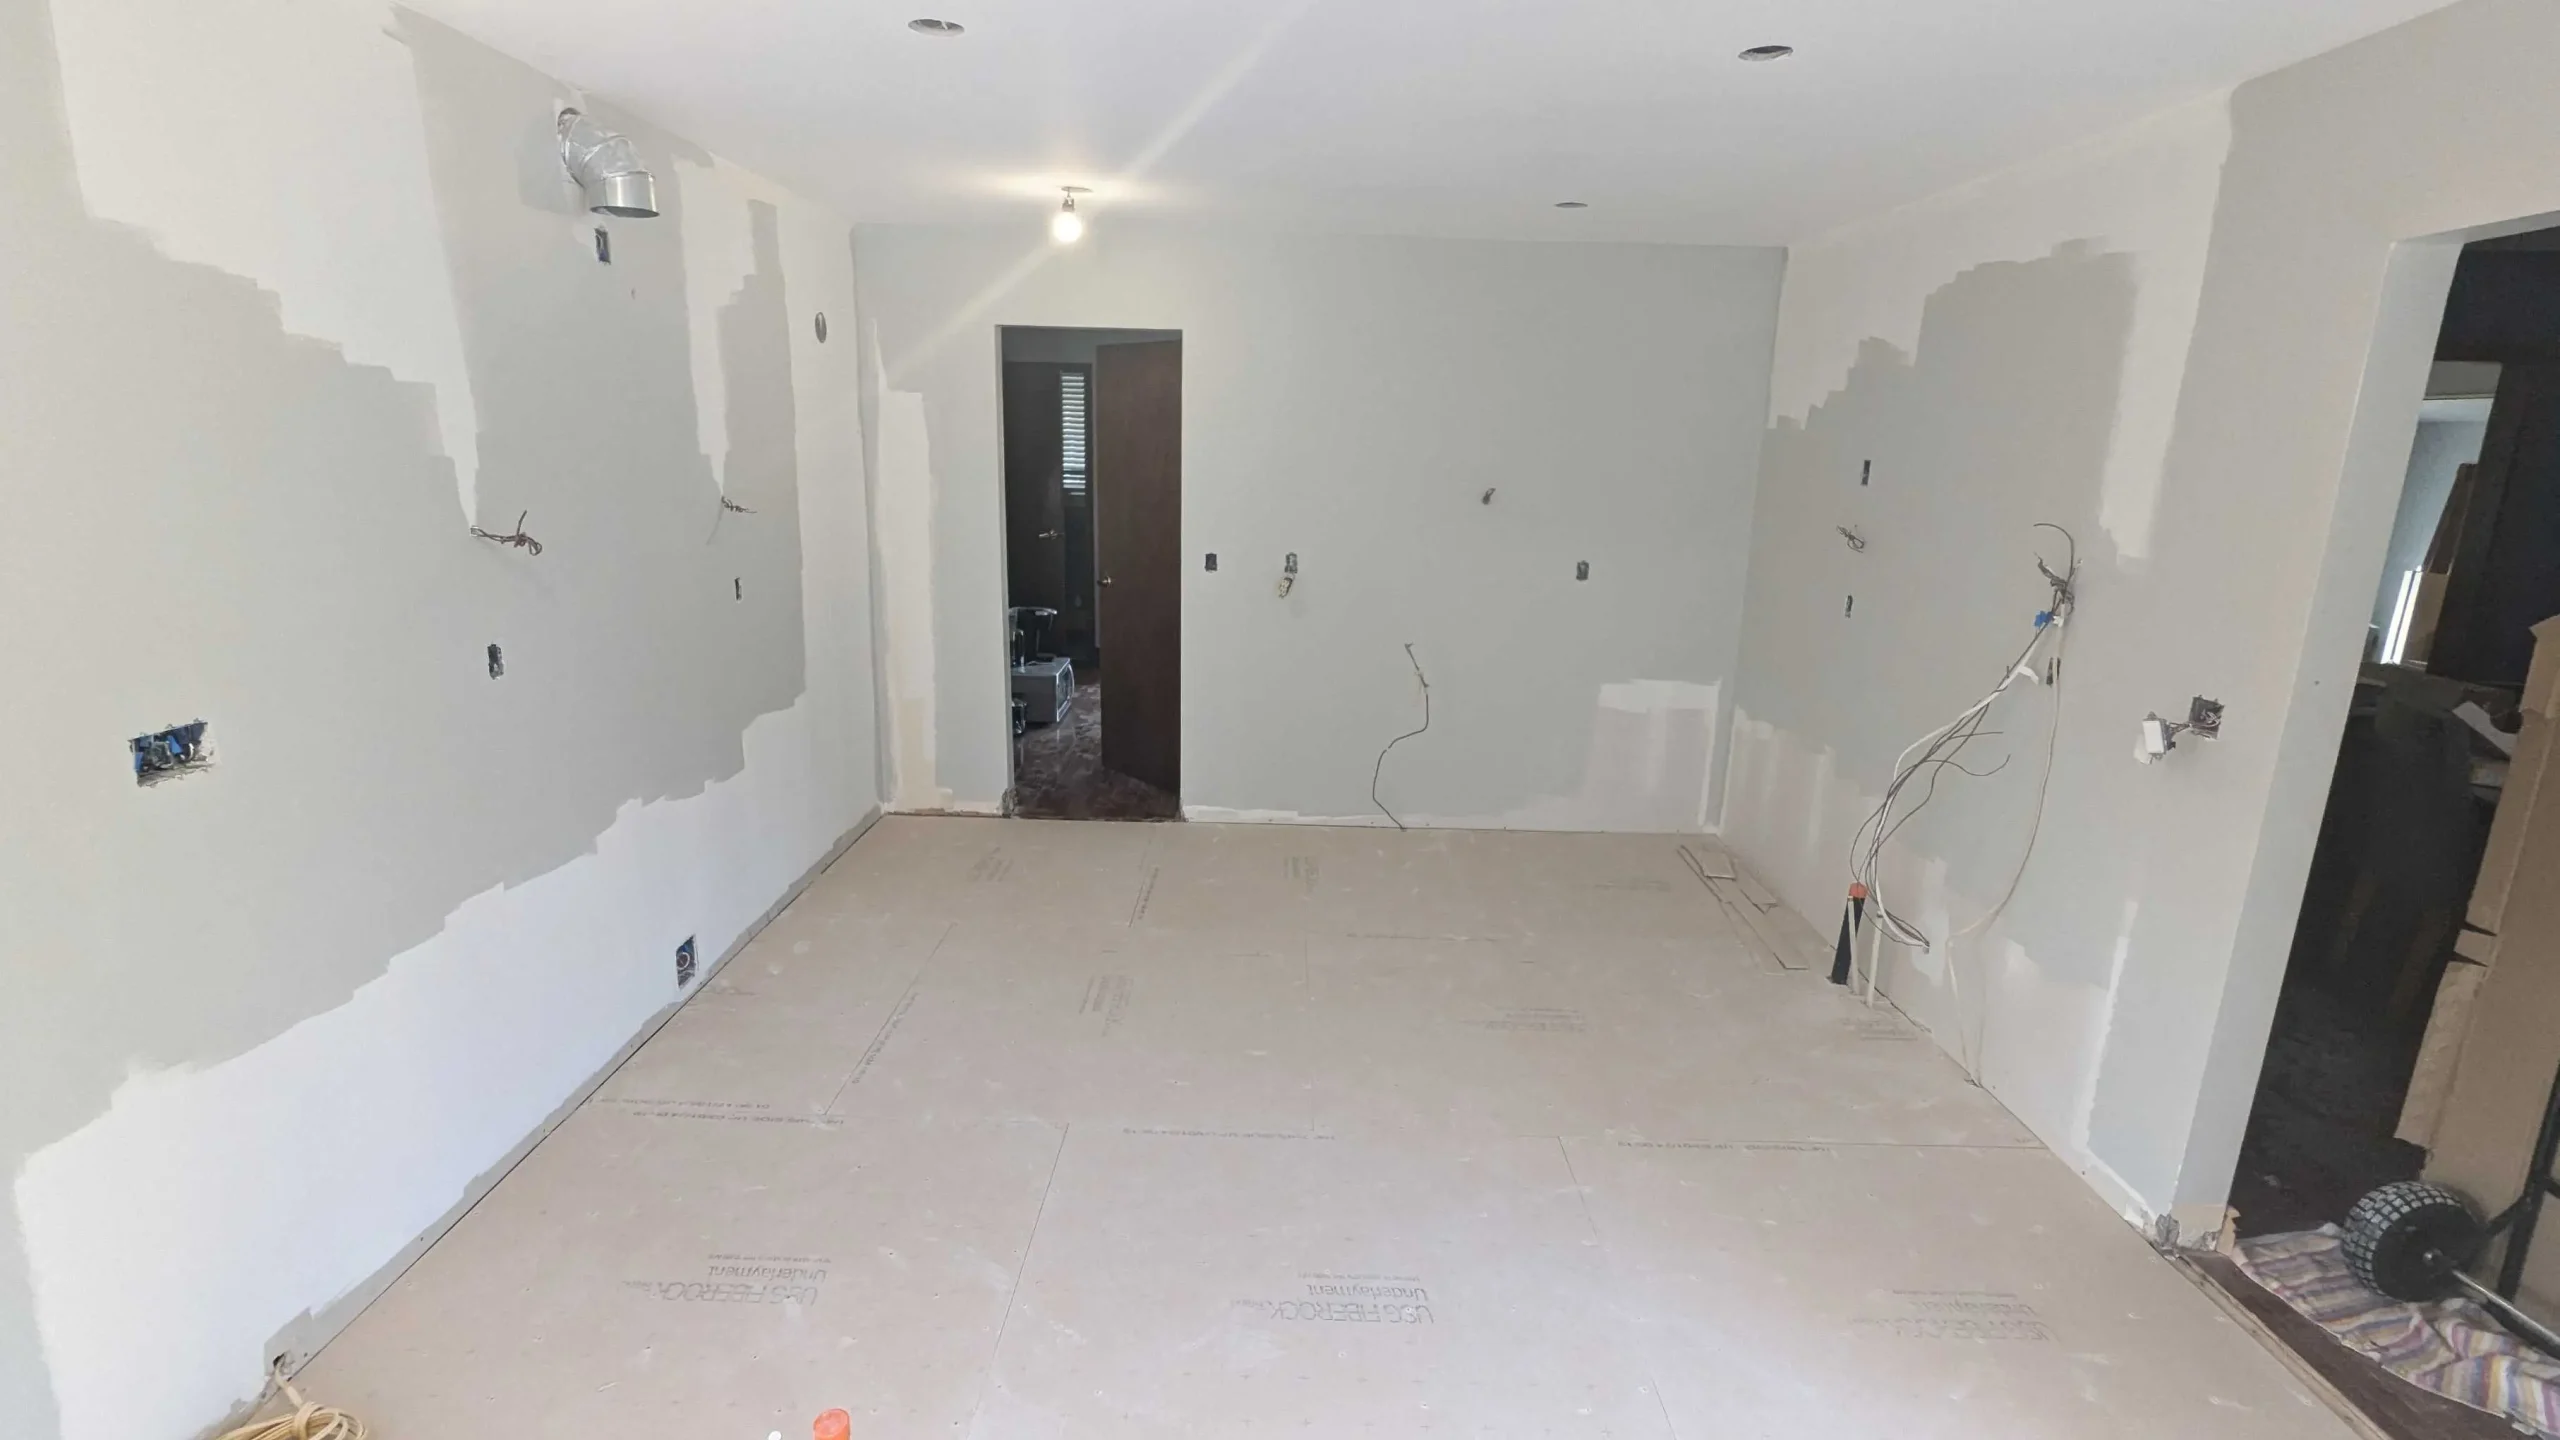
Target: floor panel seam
(1608, 1268)
(896, 1013)
(1013, 1297)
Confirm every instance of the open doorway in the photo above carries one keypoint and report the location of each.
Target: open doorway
(2391, 942)
(1093, 582)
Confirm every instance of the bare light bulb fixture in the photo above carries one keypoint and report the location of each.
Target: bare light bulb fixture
(1067, 227)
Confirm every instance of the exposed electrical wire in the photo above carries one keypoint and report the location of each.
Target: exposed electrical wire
(1376, 770)
(1936, 752)
(519, 539)
(728, 507)
(306, 1421)
(2067, 585)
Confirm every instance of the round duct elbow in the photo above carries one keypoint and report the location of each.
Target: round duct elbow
(607, 167)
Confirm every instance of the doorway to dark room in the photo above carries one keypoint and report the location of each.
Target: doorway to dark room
(1093, 593)
(2383, 1064)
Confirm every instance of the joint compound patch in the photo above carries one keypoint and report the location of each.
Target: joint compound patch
(1108, 997)
(1349, 1300)
(753, 1112)
(1930, 1315)
(1146, 896)
(993, 866)
(745, 1280)
(1302, 873)
(1537, 1019)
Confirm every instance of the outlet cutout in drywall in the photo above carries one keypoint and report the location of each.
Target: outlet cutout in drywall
(604, 246)
(497, 662)
(684, 963)
(737, 587)
(1581, 569)
(167, 754)
(1212, 563)
(1866, 469)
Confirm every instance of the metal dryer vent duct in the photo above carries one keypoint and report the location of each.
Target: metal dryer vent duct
(607, 168)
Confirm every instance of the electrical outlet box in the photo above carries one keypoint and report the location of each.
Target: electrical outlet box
(166, 754)
(684, 963)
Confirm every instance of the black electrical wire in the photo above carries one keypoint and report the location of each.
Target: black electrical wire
(1376, 770)
(519, 539)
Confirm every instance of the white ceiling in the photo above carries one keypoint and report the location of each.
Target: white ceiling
(1446, 117)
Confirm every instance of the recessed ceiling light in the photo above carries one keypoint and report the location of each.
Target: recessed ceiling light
(930, 26)
(1768, 52)
(1572, 205)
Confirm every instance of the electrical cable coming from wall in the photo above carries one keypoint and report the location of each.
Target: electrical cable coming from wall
(728, 507)
(306, 1422)
(1380, 767)
(519, 539)
(1936, 752)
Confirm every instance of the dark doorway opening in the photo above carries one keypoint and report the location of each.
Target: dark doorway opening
(1093, 534)
(2394, 940)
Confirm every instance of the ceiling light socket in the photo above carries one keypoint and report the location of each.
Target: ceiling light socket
(926, 25)
(1768, 52)
(1067, 227)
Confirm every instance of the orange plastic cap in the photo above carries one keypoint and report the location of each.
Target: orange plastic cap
(1857, 891)
(833, 1425)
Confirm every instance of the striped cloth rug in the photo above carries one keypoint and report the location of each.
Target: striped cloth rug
(2452, 1347)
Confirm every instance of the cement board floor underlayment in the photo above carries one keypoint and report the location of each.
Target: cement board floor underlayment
(1036, 1129)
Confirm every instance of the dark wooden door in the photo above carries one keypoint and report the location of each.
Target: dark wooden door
(1137, 496)
(1034, 512)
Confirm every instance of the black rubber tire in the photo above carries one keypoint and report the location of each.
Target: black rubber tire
(2406, 1239)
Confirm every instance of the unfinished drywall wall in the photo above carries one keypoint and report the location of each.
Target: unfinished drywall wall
(2121, 1005)
(273, 1021)
(2024, 340)
(2303, 383)
(1350, 401)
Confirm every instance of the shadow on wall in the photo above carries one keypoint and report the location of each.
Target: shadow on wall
(2002, 419)
(238, 522)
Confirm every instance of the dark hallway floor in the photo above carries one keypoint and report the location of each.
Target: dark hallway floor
(2320, 1135)
(1058, 772)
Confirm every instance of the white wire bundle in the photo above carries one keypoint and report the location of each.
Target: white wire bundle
(1938, 751)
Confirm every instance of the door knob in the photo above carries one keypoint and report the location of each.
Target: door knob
(1106, 580)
